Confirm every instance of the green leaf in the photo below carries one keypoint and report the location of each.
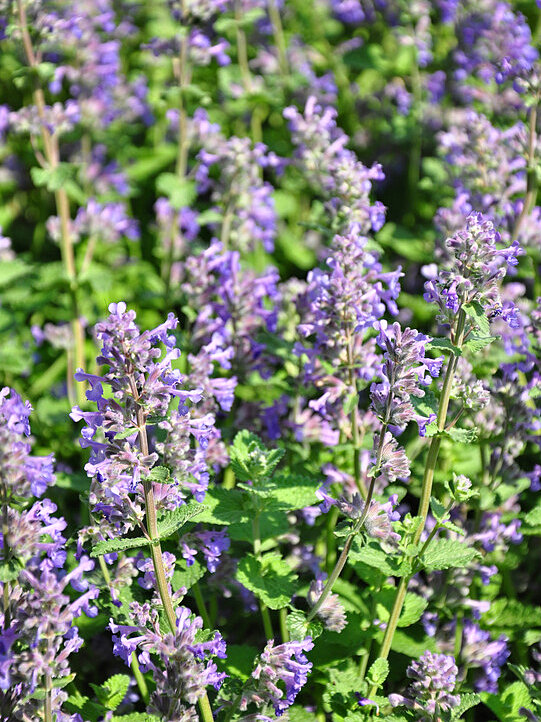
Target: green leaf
(412, 643)
(373, 555)
(462, 436)
(507, 705)
(477, 314)
(443, 344)
(9, 571)
(512, 613)
(412, 611)
(467, 701)
(117, 545)
(378, 672)
(447, 553)
(269, 578)
(160, 475)
(291, 491)
(172, 521)
(533, 517)
(111, 693)
(225, 506)
(240, 660)
(125, 433)
(250, 459)
(476, 343)
(439, 510)
(426, 405)
(299, 628)
(181, 192)
(187, 576)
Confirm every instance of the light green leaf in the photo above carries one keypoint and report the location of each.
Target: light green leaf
(447, 553)
(443, 344)
(117, 545)
(160, 475)
(269, 578)
(250, 459)
(533, 517)
(225, 506)
(476, 343)
(180, 191)
(111, 693)
(462, 436)
(172, 521)
(467, 701)
(477, 314)
(507, 705)
(187, 576)
(378, 672)
(299, 628)
(512, 613)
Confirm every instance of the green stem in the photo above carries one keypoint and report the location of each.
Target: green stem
(334, 575)
(355, 420)
(265, 615)
(242, 50)
(205, 709)
(283, 625)
(279, 38)
(141, 681)
(201, 607)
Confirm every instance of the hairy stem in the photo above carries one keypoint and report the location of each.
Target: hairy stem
(201, 607)
(279, 37)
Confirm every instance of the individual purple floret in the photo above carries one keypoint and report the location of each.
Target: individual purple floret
(279, 675)
(431, 691)
(181, 666)
(143, 384)
(479, 650)
(23, 475)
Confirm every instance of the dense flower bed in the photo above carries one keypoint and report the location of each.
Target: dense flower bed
(270, 360)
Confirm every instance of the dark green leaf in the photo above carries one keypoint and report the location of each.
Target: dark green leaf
(172, 521)
(117, 545)
(447, 553)
(477, 314)
(269, 578)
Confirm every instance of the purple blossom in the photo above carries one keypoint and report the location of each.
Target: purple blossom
(181, 665)
(479, 650)
(431, 691)
(279, 675)
(331, 611)
(211, 543)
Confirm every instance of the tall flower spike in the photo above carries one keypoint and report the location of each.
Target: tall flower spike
(143, 384)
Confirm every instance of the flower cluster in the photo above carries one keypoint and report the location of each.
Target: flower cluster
(279, 675)
(431, 691)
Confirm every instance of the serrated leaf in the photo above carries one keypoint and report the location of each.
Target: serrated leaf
(462, 436)
(477, 314)
(476, 343)
(506, 706)
(180, 191)
(174, 520)
(512, 613)
(136, 717)
(117, 545)
(373, 555)
(111, 693)
(299, 628)
(412, 610)
(378, 672)
(447, 553)
(426, 405)
(9, 571)
(467, 701)
(250, 459)
(240, 660)
(225, 506)
(438, 509)
(443, 344)
(160, 475)
(269, 578)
